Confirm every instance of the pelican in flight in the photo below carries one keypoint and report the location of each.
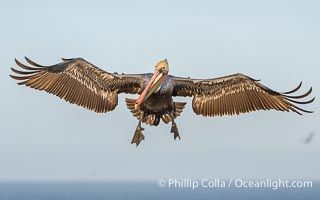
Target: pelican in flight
(80, 82)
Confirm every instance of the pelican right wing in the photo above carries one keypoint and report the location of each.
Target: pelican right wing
(79, 82)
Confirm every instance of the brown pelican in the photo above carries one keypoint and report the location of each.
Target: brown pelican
(80, 82)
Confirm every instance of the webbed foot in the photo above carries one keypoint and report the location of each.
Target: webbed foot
(138, 136)
(174, 130)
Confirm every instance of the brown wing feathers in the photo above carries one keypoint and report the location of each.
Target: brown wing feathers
(237, 94)
(74, 80)
(80, 82)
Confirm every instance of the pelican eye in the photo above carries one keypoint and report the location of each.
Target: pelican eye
(161, 69)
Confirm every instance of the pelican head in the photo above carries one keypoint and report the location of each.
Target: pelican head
(159, 76)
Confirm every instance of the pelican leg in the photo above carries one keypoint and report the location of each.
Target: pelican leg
(174, 127)
(138, 136)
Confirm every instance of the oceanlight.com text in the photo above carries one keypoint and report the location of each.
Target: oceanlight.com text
(233, 183)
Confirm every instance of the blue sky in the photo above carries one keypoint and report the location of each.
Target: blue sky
(45, 138)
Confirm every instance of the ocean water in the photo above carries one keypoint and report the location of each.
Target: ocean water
(141, 191)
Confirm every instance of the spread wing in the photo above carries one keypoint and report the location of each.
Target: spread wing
(236, 94)
(79, 82)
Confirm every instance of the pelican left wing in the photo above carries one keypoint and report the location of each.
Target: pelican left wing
(79, 82)
(235, 94)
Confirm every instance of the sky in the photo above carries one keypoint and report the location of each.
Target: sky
(43, 138)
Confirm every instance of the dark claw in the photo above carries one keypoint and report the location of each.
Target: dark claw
(174, 130)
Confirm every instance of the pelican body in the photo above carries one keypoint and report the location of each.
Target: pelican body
(80, 82)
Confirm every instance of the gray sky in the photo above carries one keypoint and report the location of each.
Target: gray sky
(45, 138)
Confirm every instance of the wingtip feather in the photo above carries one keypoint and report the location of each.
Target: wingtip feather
(32, 62)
